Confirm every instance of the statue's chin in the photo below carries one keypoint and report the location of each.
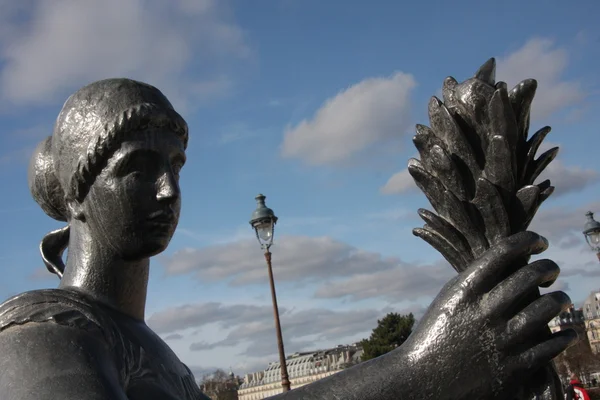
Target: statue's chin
(157, 248)
(149, 249)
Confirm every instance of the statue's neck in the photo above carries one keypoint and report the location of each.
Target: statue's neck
(104, 276)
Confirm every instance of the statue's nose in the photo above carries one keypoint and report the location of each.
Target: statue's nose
(168, 187)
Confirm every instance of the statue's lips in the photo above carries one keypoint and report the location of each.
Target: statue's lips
(162, 219)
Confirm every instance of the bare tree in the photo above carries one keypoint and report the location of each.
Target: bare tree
(578, 360)
(220, 385)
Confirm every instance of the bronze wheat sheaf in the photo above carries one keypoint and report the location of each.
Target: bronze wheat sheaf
(478, 166)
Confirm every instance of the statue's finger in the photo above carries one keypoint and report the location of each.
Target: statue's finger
(515, 287)
(485, 273)
(535, 316)
(544, 352)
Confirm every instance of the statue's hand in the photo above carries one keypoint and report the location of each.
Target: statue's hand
(480, 336)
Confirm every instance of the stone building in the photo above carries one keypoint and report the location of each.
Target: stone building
(303, 368)
(591, 312)
(573, 319)
(580, 358)
(570, 319)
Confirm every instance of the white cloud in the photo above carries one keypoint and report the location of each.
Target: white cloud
(542, 60)
(173, 336)
(250, 338)
(559, 223)
(371, 112)
(399, 284)
(42, 274)
(568, 179)
(251, 326)
(322, 325)
(400, 182)
(296, 258)
(197, 315)
(578, 264)
(63, 44)
(334, 270)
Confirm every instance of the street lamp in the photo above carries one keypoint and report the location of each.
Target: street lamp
(263, 221)
(591, 231)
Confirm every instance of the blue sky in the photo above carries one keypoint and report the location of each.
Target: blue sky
(312, 103)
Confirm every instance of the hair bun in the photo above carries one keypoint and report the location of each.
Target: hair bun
(43, 183)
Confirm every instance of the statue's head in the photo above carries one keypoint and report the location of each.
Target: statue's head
(112, 166)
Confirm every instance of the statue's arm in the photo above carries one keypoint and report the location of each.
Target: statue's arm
(476, 341)
(47, 361)
(391, 376)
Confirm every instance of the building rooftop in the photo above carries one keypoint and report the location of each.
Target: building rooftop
(307, 363)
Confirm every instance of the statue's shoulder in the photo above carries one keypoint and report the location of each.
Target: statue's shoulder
(63, 307)
(62, 337)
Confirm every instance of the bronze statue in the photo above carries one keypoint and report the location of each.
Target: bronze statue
(110, 170)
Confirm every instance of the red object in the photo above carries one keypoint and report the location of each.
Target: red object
(580, 392)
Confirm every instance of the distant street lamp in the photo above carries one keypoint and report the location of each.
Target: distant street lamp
(263, 221)
(591, 231)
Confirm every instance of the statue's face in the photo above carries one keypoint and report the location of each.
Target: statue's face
(133, 205)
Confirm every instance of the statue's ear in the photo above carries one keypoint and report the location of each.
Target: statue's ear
(75, 209)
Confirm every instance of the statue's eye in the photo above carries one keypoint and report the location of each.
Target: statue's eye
(139, 164)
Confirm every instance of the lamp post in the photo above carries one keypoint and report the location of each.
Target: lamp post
(263, 221)
(591, 231)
